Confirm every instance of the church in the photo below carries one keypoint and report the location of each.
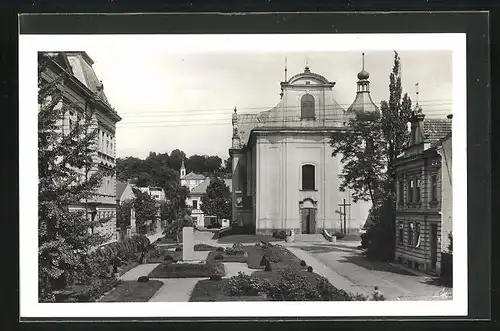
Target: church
(284, 175)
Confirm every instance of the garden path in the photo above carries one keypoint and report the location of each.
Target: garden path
(140, 270)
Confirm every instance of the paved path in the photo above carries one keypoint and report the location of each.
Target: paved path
(175, 289)
(333, 277)
(362, 274)
(140, 270)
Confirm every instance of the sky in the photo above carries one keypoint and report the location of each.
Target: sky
(185, 100)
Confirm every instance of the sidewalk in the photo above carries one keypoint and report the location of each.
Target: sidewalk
(321, 269)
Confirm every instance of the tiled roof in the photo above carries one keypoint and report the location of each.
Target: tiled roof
(202, 188)
(192, 175)
(120, 187)
(435, 129)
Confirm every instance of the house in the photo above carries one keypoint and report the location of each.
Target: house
(84, 93)
(423, 208)
(194, 202)
(125, 193)
(284, 175)
(191, 180)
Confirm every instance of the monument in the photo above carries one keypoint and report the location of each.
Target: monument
(188, 243)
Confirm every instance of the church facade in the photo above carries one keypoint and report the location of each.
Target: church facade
(284, 175)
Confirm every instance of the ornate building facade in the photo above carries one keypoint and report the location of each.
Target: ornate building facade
(284, 175)
(83, 92)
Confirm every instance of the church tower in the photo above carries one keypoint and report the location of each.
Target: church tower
(363, 102)
(183, 169)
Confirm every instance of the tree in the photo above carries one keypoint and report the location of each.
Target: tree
(217, 200)
(363, 155)
(123, 214)
(67, 175)
(145, 210)
(368, 149)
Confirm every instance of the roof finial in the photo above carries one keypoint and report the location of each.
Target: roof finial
(416, 85)
(307, 65)
(286, 69)
(363, 61)
(235, 109)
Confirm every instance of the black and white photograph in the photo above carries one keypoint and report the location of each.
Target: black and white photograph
(289, 175)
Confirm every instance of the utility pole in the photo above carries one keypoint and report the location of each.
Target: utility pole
(344, 204)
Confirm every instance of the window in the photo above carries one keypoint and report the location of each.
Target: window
(433, 188)
(308, 177)
(401, 192)
(417, 235)
(410, 191)
(401, 233)
(417, 190)
(195, 204)
(410, 234)
(307, 107)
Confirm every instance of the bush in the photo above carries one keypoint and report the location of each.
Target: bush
(220, 249)
(216, 271)
(268, 266)
(218, 257)
(236, 249)
(90, 293)
(245, 285)
(303, 263)
(279, 234)
(328, 292)
(143, 279)
(263, 261)
(292, 287)
(310, 269)
(178, 249)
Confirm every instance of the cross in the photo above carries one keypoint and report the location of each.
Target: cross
(344, 204)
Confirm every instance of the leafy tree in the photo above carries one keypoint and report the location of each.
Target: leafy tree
(373, 168)
(123, 214)
(145, 210)
(217, 200)
(176, 158)
(362, 149)
(67, 175)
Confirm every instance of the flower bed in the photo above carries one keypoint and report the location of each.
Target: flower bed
(203, 247)
(188, 270)
(210, 290)
(132, 291)
(212, 256)
(278, 256)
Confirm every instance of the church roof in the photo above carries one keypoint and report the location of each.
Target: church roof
(193, 176)
(362, 103)
(307, 74)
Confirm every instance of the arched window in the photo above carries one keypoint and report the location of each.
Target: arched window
(307, 107)
(308, 180)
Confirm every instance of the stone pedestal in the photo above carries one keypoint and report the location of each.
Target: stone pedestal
(188, 243)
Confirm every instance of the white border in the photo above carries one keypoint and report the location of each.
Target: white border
(29, 45)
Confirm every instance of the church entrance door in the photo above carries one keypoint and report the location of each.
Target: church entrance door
(308, 220)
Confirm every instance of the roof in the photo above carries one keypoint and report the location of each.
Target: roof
(193, 176)
(202, 188)
(363, 103)
(81, 65)
(120, 187)
(436, 129)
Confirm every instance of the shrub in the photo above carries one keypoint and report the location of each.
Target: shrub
(279, 234)
(236, 249)
(244, 285)
(143, 279)
(178, 249)
(263, 261)
(220, 249)
(377, 295)
(328, 292)
(91, 292)
(218, 256)
(268, 266)
(292, 287)
(303, 263)
(310, 269)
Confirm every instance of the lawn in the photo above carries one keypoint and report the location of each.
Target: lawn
(203, 247)
(161, 258)
(281, 258)
(188, 270)
(246, 239)
(211, 290)
(132, 291)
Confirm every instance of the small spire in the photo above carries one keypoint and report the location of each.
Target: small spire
(286, 69)
(416, 86)
(235, 109)
(363, 61)
(306, 69)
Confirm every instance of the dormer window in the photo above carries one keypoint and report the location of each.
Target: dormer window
(307, 107)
